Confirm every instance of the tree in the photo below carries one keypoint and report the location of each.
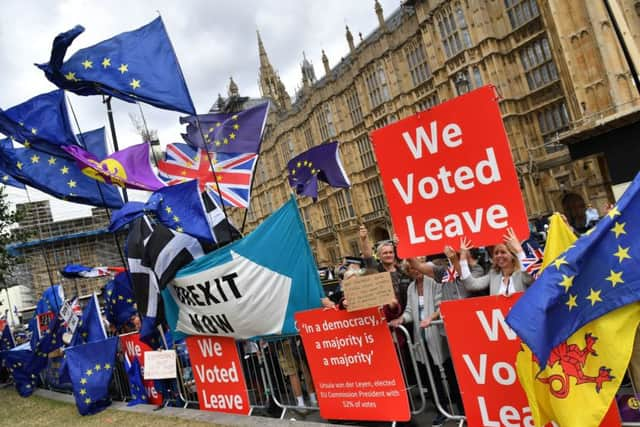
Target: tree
(9, 233)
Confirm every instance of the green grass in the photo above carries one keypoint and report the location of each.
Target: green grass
(17, 411)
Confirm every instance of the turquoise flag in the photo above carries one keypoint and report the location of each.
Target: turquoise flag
(251, 287)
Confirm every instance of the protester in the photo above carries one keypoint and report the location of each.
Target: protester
(423, 306)
(507, 274)
(591, 216)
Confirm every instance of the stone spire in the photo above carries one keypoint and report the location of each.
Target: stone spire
(325, 62)
(380, 15)
(308, 73)
(233, 88)
(269, 81)
(350, 40)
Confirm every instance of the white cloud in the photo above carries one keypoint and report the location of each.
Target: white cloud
(213, 41)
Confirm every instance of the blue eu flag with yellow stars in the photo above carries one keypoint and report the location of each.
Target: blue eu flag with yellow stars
(42, 122)
(318, 163)
(598, 274)
(138, 65)
(227, 132)
(7, 179)
(119, 300)
(19, 363)
(136, 387)
(90, 368)
(56, 175)
(6, 339)
(90, 327)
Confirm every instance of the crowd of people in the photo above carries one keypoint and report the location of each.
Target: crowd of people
(422, 284)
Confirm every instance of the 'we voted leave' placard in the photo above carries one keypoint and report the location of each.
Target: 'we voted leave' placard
(447, 173)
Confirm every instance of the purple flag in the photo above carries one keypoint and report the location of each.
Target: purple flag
(319, 163)
(129, 168)
(227, 132)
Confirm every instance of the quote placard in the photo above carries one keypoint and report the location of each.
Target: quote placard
(159, 365)
(368, 291)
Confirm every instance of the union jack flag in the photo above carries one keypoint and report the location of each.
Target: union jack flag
(533, 258)
(233, 172)
(450, 275)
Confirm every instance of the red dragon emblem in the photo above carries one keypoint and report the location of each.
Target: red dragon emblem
(572, 360)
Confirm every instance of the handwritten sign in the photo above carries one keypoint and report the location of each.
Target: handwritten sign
(368, 291)
(159, 365)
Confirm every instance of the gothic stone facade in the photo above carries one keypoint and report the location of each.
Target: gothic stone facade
(556, 64)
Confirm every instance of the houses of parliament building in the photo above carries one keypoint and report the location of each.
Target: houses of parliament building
(565, 71)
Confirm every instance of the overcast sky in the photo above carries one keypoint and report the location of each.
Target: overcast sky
(213, 41)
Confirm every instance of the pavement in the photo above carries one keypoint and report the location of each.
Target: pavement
(292, 417)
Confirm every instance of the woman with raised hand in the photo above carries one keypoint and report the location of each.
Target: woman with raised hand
(506, 276)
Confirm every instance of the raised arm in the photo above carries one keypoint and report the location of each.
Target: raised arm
(468, 281)
(365, 244)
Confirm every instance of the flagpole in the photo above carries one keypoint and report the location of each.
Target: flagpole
(106, 209)
(114, 138)
(146, 129)
(246, 211)
(44, 251)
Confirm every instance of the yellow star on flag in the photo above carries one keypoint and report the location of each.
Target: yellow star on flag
(71, 184)
(87, 400)
(615, 278)
(5, 178)
(87, 64)
(567, 282)
(618, 229)
(83, 391)
(179, 229)
(107, 366)
(594, 297)
(176, 218)
(168, 209)
(571, 302)
(614, 212)
(225, 141)
(559, 261)
(89, 372)
(70, 76)
(83, 380)
(35, 158)
(98, 367)
(123, 68)
(135, 84)
(34, 131)
(52, 160)
(232, 135)
(19, 165)
(26, 143)
(622, 253)
(236, 126)
(64, 170)
(106, 62)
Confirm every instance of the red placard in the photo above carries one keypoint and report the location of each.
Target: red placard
(354, 366)
(133, 347)
(43, 322)
(2, 325)
(218, 374)
(484, 349)
(447, 173)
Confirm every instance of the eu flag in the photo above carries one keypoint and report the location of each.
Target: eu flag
(119, 300)
(90, 328)
(19, 363)
(182, 208)
(318, 163)
(6, 339)
(90, 367)
(7, 179)
(227, 132)
(41, 122)
(138, 65)
(58, 176)
(599, 273)
(134, 374)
